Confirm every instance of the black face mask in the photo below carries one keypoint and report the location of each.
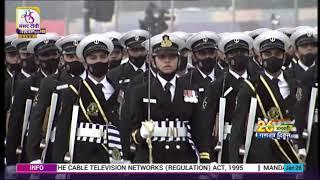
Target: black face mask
(239, 62)
(183, 63)
(308, 59)
(99, 69)
(114, 63)
(76, 68)
(29, 65)
(272, 64)
(207, 65)
(138, 61)
(14, 67)
(50, 66)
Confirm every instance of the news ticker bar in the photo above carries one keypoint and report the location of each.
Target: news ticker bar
(157, 168)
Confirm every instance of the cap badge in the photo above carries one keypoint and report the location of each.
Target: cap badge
(166, 42)
(75, 43)
(272, 39)
(309, 34)
(136, 38)
(236, 40)
(205, 39)
(46, 40)
(96, 41)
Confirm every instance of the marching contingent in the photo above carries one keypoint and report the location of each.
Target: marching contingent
(171, 98)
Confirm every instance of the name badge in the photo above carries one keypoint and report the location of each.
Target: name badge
(34, 89)
(64, 86)
(124, 81)
(146, 100)
(201, 89)
(190, 96)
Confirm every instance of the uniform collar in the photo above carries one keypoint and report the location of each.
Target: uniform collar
(304, 67)
(103, 81)
(143, 67)
(280, 77)
(211, 75)
(164, 82)
(152, 72)
(244, 75)
(9, 72)
(220, 66)
(25, 74)
(45, 75)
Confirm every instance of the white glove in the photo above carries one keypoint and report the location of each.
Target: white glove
(38, 161)
(10, 172)
(146, 129)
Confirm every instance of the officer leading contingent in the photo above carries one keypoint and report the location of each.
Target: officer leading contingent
(260, 63)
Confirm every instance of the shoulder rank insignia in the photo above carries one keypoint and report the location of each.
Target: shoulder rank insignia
(299, 94)
(92, 109)
(166, 42)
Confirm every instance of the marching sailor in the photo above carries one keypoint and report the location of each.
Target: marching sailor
(236, 49)
(291, 58)
(305, 46)
(92, 132)
(275, 93)
(124, 73)
(40, 119)
(255, 64)
(204, 46)
(117, 54)
(171, 134)
(26, 96)
(12, 61)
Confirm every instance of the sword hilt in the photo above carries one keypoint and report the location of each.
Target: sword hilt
(242, 150)
(218, 147)
(305, 134)
(67, 158)
(43, 144)
(19, 150)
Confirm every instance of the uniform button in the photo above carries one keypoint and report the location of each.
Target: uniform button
(167, 146)
(178, 146)
(167, 119)
(177, 119)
